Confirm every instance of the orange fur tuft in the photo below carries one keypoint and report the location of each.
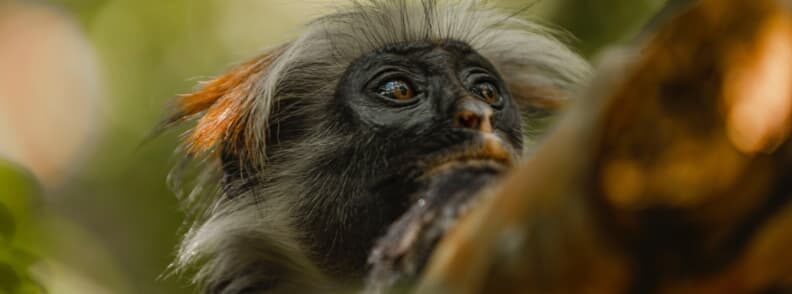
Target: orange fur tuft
(225, 103)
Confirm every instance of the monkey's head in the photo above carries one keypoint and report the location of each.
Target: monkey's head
(323, 142)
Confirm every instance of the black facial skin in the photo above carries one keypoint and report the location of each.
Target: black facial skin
(393, 143)
(440, 76)
(381, 152)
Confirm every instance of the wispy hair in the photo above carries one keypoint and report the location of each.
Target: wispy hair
(242, 235)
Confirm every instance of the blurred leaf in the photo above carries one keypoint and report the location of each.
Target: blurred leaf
(9, 281)
(17, 190)
(6, 225)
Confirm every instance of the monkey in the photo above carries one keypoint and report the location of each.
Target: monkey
(308, 153)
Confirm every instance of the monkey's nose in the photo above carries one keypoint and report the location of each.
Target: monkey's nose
(473, 114)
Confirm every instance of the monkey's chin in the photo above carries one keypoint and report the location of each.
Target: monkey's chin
(487, 153)
(463, 175)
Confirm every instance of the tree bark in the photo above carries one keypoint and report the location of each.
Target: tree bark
(673, 174)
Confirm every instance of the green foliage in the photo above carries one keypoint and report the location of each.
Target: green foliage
(598, 23)
(16, 193)
(114, 215)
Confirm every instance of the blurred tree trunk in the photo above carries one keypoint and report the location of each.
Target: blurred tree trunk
(673, 175)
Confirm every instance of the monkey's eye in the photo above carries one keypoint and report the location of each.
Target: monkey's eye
(488, 92)
(398, 90)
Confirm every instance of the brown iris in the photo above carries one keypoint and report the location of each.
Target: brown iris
(397, 90)
(488, 92)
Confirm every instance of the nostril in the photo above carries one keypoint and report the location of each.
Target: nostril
(473, 114)
(468, 119)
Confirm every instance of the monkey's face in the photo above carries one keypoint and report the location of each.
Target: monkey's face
(323, 143)
(408, 112)
(429, 105)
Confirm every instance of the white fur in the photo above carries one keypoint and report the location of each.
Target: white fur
(257, 228)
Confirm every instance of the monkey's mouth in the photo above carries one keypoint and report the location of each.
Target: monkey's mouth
(487, 151)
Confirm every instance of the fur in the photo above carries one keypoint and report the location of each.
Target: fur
(243, 234)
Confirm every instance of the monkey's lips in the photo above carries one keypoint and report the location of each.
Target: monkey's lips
(487, 151)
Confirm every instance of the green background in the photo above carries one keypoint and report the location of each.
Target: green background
(113, 225)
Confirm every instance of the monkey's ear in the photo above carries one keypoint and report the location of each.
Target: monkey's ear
(223, 108)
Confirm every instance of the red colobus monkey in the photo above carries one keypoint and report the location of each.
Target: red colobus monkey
(319, 145)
